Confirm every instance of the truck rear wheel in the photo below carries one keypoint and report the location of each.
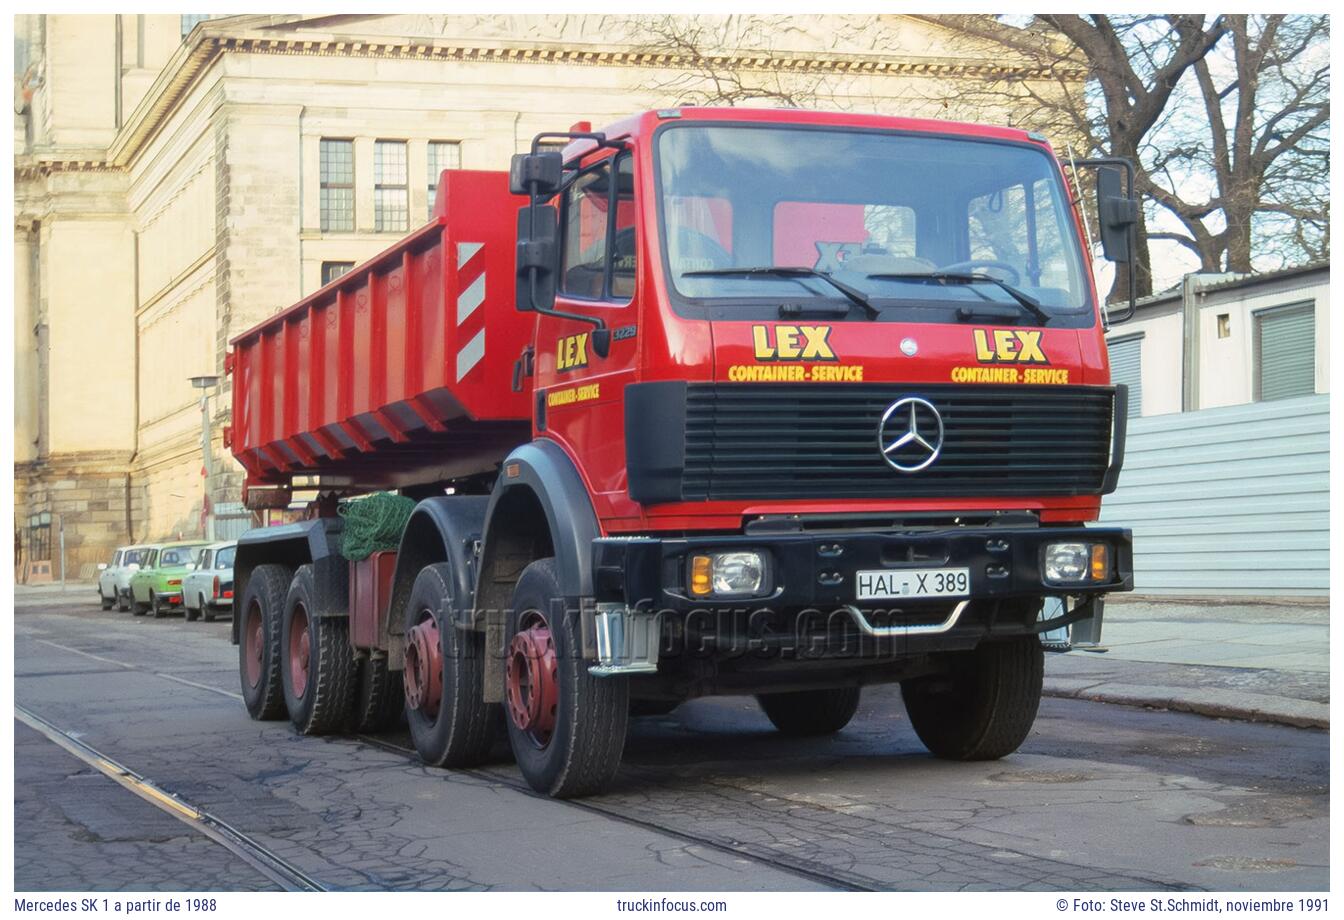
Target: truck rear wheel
(262, 606)
(811, 712)
(450, 722)
(316, 663)
(378, 698)
(566, 727)
(984, 707)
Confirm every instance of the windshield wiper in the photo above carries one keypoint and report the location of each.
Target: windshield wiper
(789, 271)
(1025, 300)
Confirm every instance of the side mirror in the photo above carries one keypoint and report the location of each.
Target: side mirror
(102, 566)
(537, 174)
(1117, 213)
(537, 256)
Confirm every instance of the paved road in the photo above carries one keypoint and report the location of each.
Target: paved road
(1100, 797)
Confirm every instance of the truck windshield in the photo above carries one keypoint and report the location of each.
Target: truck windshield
(895, 216)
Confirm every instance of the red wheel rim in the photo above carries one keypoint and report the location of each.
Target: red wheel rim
(532, 680)
(253, 637)
(299, 647)
(423, 673)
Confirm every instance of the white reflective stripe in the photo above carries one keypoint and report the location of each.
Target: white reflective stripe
(470, 354)
(470, 299)
(465, 251)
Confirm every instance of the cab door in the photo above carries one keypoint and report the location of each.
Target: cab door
(580, 400)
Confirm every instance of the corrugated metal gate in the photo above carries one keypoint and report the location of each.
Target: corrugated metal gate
(1229, 501)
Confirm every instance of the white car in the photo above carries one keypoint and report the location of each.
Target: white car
(208, 588)
(114, 578)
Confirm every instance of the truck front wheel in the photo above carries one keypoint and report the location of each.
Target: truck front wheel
(566, 727)
(984, 706)
(811, 712)
(262, 605)
(450, 722)
(315, 661)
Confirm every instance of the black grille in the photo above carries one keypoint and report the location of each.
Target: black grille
(753, 441)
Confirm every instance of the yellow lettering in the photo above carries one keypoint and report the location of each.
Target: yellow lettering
(816, 347)
(581, 349)
(761, 338)
(786, 342)
(1005, 344)
(982, 350)
(1031, 348)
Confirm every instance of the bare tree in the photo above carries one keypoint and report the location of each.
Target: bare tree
(1226, 120)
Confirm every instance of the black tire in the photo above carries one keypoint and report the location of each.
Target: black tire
(137, 608)
(329, 687)
(122, 603)
(379, 698)
(264, 597)
(107, 604)
(191, 615)
(157, 607)
(811, 712)
(984, 707)
(462, 732)
(207, 612)
(583, 752)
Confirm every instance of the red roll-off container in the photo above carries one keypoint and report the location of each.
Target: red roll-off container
(398, 372)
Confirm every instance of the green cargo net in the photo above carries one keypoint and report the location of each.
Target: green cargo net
(374, 523)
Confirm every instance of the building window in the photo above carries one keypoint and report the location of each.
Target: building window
(333, 270)
(1285, 352)
(442, 155)
(337, 177)
(390, 208)
(189, 21)
(1126, 368)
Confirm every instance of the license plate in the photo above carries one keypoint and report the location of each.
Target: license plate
(893, 584)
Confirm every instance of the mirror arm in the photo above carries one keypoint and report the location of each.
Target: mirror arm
(1125, 164)
(601, 335)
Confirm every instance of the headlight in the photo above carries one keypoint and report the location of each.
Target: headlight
(1076, 563)
(732, 574)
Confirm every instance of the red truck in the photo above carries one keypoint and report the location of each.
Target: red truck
(715, 401)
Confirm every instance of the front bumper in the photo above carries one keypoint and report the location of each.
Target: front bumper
(817, 570)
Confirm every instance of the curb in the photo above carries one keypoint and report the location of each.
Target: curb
(1245, 707)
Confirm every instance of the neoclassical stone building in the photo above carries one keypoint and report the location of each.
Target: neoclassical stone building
(177, 180)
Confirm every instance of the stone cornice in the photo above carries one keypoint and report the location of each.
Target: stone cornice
(210, 40)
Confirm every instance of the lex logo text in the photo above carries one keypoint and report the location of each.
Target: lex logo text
(1013, 346)
(792, 343)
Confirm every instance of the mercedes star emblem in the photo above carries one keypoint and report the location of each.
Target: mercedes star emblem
(911, 434)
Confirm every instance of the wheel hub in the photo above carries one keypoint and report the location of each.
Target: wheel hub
(423, 675)
(254, 643)
(532, 681)
(299, 648)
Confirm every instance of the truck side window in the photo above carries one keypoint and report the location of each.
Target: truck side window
(623, 240)
(583, 270)
(598, 261)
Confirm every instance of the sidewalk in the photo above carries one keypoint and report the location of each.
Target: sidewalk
(76, 592)
(1255, 661)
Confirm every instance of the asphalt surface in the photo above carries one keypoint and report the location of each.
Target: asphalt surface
(1100, 797)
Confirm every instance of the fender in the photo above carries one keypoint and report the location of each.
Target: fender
(317, 541)
(545, 470)
(446, 528)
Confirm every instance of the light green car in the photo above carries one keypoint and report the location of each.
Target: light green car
(157, 586)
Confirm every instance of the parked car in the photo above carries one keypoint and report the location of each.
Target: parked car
(208, 588)
(107, 576)
(157, 586)
(114, 578)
